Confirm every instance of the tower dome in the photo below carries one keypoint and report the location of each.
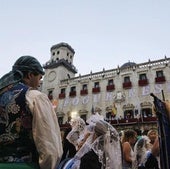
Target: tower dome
(128, 65)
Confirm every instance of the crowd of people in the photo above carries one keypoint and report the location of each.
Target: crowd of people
(100, 146)
(30, 136)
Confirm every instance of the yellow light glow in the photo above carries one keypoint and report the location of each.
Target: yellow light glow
(74, 114)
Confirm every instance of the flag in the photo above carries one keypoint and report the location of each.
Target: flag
(114, 110)
(164, 132)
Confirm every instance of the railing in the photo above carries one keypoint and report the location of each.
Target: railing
(96, 90)
(110, 87)
(62, 95)
(143, 82)
(127, 85)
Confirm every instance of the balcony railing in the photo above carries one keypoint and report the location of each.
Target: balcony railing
(160, 79)
(50, 97)
(149, 119)
(96, 90)
(62, 95)
(83, 92)
(133, 121)
(127, 85)
(110, 87)
(72, 94)
(143, 82)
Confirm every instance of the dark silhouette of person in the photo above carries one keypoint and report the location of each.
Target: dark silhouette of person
(69, 149)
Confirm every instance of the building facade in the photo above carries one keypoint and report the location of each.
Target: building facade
(121, 95)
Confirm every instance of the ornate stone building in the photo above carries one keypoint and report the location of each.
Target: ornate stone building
(121, 95)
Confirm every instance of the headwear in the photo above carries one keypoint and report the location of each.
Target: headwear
(24, 63)
(100, 127)
(10, 78)
(107, 146)
(78, 126)
(28, 63)
(141, 152)
(94, 118)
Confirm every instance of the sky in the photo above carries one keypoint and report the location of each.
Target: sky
(104, 33)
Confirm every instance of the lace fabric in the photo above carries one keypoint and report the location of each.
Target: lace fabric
(141, 152)
(108, 148)
(77, 132)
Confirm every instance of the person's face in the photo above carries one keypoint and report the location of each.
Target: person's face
(34, 80)
(152, 136)
(133, 139)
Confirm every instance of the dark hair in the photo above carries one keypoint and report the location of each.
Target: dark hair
(128, 134)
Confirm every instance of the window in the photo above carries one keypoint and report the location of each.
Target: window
(84, 87)
(63, 90)
(146, 112)
(128, 114)
(110, 85)
(96, 88)
(142, 76)
(62, 93)
(73, 89)
(159, 73)
(84, 90)
(53, 53)
(96, 85)
(127, 83)
(110, 82)
(58, 52)
(160, 78)
(50, 94)
(126, 79)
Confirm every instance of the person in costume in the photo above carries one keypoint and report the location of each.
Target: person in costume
(29, 131)
(105, 151)
(144, 157)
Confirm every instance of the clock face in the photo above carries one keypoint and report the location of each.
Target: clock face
(51, 76)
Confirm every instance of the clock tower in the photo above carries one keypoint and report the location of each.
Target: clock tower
(59, 67)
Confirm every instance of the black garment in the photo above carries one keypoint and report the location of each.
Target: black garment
(69, 149)
(90, 161)
(151, 163)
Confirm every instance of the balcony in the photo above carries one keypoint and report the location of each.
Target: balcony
(143, 82)
(50, 97)
(110, 87)
(83, 92)
(72, 94)
(160, 79)
(96, 90)
(149, 119)
(62, 95)
(127, 85)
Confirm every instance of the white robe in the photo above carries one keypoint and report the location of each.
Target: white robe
(45, 128)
